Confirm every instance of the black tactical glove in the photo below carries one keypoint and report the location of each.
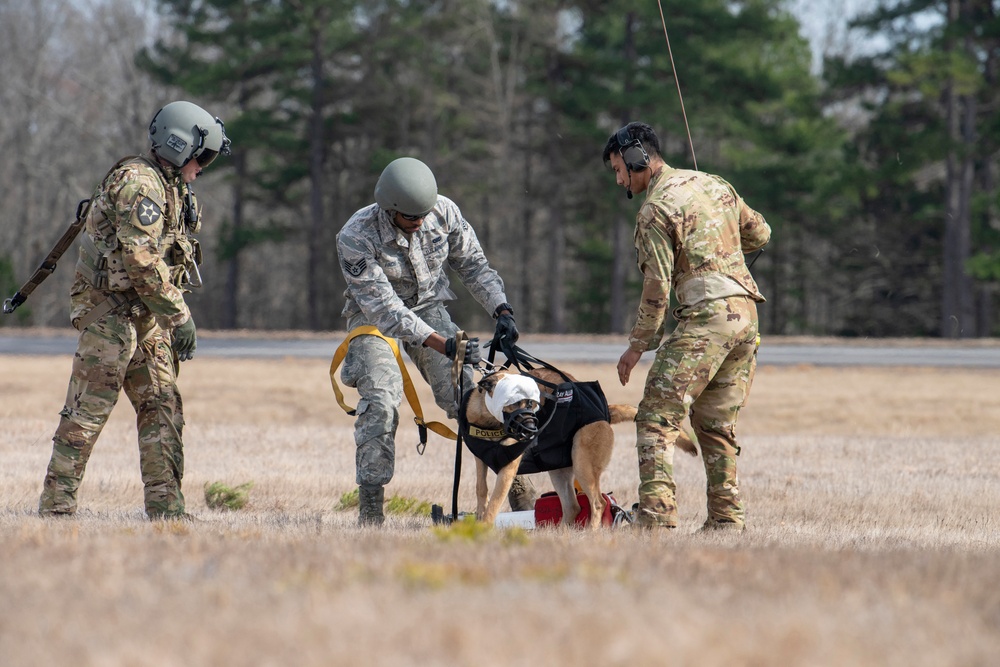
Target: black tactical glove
(506, 332)
(185, 340)
(506, 328)
(472, 354)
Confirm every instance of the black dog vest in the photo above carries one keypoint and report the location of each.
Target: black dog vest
(576, 404)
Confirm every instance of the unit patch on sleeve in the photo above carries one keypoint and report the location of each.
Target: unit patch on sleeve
(149, 212)
(357, 268)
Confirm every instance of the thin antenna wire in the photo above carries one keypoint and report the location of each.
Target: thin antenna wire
(678, 82)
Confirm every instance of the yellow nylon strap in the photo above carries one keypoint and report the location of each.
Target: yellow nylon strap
(408, 390)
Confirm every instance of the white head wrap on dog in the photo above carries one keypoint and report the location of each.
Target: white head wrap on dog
(509, 390)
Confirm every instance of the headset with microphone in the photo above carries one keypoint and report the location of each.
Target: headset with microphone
(632, 153)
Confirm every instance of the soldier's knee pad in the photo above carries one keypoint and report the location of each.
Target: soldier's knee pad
(714, 418)
(664, 414)
(650, 432)
(69, 435)
(78, 424)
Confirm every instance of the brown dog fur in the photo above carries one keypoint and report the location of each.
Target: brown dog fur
(592, 447)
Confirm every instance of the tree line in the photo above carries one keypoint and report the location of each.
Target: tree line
(876, 171)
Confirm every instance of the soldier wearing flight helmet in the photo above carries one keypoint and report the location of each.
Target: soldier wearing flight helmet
(137, 259)
(394, 255)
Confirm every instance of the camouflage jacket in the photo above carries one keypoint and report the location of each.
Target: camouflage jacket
(136, 240)
(691, 233)
(392, 276)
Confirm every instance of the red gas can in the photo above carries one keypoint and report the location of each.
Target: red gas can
(548, 510)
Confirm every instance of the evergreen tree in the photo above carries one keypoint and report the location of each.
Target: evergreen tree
(755, 118)
(931, 149)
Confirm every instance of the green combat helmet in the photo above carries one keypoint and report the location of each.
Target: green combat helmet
(181, 131)
(406, 185)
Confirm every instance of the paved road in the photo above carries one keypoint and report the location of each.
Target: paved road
(847, 354)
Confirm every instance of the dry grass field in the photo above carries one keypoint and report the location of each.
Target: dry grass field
(873, 538)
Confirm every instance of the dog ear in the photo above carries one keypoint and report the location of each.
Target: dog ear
(489, 382)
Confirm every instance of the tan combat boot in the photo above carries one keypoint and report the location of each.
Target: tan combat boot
(712, 524)
(522, 494)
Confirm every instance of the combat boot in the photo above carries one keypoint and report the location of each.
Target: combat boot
(370, 499)
(522, 494)
(712, 524)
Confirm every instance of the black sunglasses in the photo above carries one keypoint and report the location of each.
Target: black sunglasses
(412, 218)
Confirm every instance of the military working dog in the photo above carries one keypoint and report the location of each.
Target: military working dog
(587, 448)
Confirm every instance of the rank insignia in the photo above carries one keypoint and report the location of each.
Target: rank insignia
(357, 268)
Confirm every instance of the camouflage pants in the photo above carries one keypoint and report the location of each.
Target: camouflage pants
(111, 355)
(371, 368)
(705, 368)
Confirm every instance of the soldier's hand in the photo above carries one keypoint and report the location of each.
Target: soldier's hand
(185, 340)
(507, 329)
(472, 353)
(626, 363)
(506, 333)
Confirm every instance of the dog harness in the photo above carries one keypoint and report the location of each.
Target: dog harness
(570, 407)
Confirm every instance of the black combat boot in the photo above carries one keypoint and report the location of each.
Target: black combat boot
(370, 499)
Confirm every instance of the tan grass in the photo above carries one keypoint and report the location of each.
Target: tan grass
(873, 538)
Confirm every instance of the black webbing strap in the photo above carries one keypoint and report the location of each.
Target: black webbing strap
(48, 264)
(523, 362)
(458, 456)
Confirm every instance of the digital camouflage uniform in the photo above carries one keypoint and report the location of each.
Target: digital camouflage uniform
(398, 283)
(135, 248)
(691, 233)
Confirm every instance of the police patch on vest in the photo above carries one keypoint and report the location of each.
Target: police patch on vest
(357, 268)
(486, 433)
(552, 448)
(149, 212)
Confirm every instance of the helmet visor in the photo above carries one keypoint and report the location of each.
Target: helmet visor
(207, 157)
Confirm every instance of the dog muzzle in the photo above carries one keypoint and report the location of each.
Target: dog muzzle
(521, 424)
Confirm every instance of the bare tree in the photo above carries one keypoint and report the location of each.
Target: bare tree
(73, 102)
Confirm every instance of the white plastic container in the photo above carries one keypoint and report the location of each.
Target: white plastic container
(525, 519)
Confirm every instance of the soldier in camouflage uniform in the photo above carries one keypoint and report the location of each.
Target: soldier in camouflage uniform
(691, 233)
(394, 255)
(137, 258)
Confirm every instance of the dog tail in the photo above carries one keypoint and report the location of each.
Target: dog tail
(621, 413)
(685, 443)
(626, 413)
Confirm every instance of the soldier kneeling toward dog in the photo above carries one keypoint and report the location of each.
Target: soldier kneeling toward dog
(394, 254)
